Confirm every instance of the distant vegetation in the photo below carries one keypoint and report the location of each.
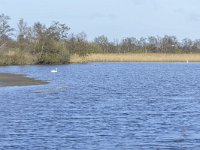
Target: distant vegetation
(136, 57)
(54, 44)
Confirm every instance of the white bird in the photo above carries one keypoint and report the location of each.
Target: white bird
(54, 70)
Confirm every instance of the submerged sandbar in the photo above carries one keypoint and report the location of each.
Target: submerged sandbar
(8, 79)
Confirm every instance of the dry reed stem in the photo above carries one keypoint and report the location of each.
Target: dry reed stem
(136, 57)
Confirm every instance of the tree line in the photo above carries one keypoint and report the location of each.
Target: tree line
(54, 43)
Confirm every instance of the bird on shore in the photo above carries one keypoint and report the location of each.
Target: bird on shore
(54, 70)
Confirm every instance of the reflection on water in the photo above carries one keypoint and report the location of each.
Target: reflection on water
(103, 106)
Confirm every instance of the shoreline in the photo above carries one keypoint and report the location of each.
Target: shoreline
(135, 57)
(122, 57)
(9, 79)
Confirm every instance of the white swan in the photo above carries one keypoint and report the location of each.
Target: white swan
(54, 71)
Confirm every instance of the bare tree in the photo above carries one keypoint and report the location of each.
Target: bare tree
(143, 44)
(129, 44)
(22, 30)
(103, 42)
(58, 31)
(196, 46)
(5, 29)
(23, 37)
(153, 44)
(187, 45)
(169, 44)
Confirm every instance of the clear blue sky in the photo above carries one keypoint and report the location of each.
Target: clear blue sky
(114, 18)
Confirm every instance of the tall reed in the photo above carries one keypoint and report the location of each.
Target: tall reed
(136, 57)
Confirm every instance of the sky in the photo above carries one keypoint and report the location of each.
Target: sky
(115, 19)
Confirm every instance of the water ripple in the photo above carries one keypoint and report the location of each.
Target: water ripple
(103, 106)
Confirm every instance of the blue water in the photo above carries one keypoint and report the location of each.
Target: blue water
(111, 106)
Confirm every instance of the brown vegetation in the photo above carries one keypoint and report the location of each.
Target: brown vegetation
(17, 57)
(136, 57)
(41, 44)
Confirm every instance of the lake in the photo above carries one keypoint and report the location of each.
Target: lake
(111, 106)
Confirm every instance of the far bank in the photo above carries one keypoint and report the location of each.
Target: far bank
(135, 57)
(14, 58)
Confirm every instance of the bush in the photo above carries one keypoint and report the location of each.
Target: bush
(53, 53)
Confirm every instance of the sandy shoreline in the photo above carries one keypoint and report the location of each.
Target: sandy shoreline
(7, 79)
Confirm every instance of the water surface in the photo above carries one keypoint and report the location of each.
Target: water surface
(103, 106)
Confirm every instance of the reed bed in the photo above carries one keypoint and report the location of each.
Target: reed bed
(16, 57)
(136, 57)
